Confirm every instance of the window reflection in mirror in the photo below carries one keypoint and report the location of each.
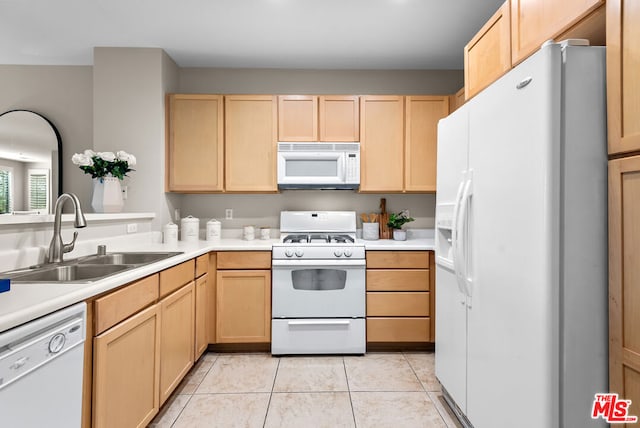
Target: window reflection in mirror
(30, 175)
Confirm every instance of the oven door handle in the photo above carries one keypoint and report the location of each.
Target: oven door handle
(319, 322)
(318, 263)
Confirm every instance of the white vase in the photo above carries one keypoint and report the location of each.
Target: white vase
(399, 235)
(107, 195)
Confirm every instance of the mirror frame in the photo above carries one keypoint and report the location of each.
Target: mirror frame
(58, 138)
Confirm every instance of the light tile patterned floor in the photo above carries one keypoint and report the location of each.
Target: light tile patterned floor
(258, 390)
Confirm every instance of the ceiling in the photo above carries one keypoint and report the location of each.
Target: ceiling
(305, 34)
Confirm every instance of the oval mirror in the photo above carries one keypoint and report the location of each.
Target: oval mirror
(30, 167)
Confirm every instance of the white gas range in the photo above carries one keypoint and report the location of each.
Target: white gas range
(318, 285)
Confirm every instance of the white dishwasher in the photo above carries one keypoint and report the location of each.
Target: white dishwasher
(41, 364)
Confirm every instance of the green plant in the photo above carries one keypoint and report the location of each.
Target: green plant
(396, 221)
(102, 164)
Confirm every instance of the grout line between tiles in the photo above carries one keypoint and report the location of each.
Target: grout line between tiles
(414, 372)
(266, 414)
(353, 413)
(181, 410)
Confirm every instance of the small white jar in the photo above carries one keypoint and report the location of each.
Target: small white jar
(371, 231)
(265, 233)
(189, 229)
(248, 233)
(214, 230)
(170, 234)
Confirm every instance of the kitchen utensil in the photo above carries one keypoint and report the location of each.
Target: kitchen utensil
(385, 232)
(364, 217)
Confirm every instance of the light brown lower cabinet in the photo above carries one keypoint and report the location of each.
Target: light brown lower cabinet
(624, 279)
(126, 375)
(202, 297)
(243, 306)
(400, 302)
(176, 338)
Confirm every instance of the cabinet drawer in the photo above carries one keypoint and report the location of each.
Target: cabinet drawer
(398, 304)
(397, 259)
(398, 329)
(398, 280)
(121, 304)
(244, 260)
(202, 265)
(173, 278)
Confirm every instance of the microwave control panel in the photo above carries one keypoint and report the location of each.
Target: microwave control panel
(352, 167)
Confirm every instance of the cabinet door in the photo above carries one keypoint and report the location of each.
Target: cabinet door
(624, 279)
(456, 100)
(201, 336)
(488, 55)
(194, 146)
(250, 143)
(125, 372)
(339, 118)
(623, 78)
(534, 22)
(176, 338)
(243, 306)
(297, 118)
(381, 143)
(422, 114)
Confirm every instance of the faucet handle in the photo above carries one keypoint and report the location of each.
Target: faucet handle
(69, 247)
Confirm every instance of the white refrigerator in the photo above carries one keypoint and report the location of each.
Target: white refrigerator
(521, 245)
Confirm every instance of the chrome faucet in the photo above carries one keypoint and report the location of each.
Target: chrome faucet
(57, 248)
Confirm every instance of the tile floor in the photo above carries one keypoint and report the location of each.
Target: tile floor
(258, 390)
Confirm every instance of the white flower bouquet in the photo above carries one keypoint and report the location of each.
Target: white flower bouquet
(101, 164)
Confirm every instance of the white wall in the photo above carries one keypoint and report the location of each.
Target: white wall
(129, 86)
(63, 94)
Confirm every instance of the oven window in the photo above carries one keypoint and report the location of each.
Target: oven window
(311, 168)
(319, 279)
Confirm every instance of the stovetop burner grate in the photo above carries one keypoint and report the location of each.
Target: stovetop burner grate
(318, 238)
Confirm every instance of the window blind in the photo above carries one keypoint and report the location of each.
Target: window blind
(38, 191)
(5, 187)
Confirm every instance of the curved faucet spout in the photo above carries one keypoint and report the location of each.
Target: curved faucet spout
(57, 248)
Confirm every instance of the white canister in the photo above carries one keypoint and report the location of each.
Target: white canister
(248, 233)
(189, 229)
(214, 229)
(370, 231)
(170, 233)
(265, 232)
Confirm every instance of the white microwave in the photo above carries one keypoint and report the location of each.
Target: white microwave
(318, 165)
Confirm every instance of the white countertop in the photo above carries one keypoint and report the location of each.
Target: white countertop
(25, 302)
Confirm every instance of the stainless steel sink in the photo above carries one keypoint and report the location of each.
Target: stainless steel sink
(70, 273)
(125, 258)
(86, 269)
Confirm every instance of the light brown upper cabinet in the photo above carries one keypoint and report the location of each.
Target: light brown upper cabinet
(251, 132)
(339, 118)
(623, 76)
(297, 118)
(194, 143)
(422, 114)
(318, 118)
(381, 143)
(535, 21)
(488, 55)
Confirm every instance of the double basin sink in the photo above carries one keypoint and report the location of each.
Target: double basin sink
(86, 269)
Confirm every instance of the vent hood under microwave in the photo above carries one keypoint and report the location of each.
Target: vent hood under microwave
(316, 165)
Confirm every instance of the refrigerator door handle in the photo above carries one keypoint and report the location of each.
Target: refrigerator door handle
(468, 236)
(455, 234)
(460, 250)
